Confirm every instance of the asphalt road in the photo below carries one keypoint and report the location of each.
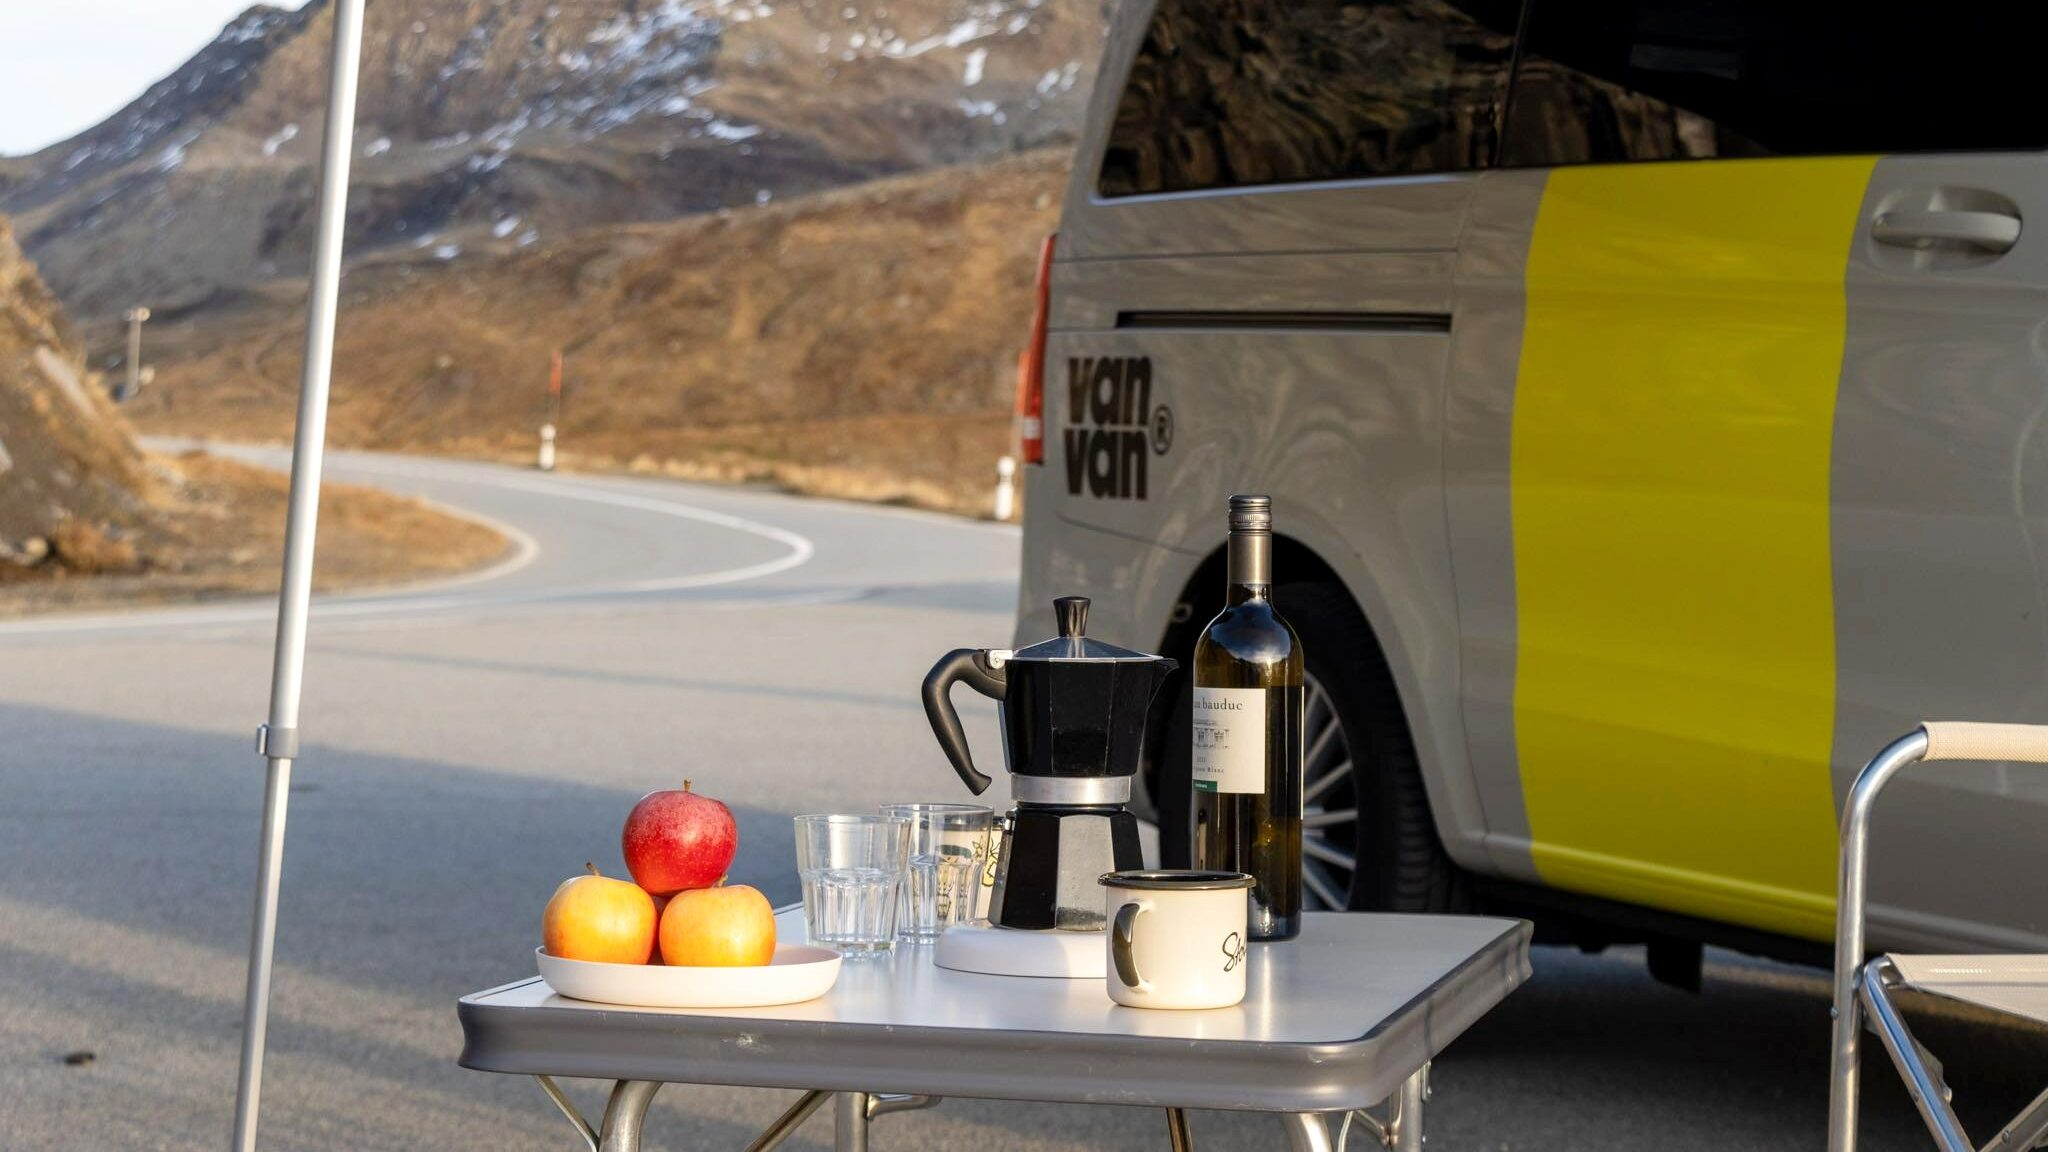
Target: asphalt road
(468, 746)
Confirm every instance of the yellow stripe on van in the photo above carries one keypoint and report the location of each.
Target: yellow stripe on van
(1673, 419)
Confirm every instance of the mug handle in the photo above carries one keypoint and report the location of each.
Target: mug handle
(1120, 933)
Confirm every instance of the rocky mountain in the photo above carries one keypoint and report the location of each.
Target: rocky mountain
(498, 124)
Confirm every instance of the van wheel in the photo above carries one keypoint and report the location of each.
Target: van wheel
(1368, 842)
(1366, 826)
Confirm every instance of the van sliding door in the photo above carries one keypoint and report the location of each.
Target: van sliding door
(1747, 454)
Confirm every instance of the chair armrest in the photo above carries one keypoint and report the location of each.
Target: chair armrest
(1963, 740)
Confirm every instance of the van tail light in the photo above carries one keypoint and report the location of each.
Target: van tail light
(1031, 366)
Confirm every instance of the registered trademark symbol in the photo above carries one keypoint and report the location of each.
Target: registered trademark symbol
(1162, 430)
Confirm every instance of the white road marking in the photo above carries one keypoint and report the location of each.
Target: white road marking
(434, 598)
(800, 548)
(525, 549)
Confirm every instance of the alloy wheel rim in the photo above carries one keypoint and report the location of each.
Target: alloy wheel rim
(1329, 810)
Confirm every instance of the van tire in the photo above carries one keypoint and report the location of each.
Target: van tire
(1401, 865)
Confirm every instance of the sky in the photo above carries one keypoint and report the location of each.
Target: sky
(65, 65)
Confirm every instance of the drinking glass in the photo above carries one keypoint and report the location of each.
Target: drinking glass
(948, 849)
(852, 870)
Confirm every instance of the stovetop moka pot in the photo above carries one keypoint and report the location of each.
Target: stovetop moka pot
(1074, 715)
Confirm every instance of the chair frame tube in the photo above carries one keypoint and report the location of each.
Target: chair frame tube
(1845, 1083)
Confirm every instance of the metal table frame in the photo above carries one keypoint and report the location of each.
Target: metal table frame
(871, 1067)
(625, 1116)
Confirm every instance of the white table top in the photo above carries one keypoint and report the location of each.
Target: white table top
(1334, 1019)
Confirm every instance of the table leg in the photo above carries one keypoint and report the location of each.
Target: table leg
(788, 1122)
(1406, 1128)
(850, 1122)
(1307, 1132)
(625, 1114)
(1177, 1130)
(583, 1128)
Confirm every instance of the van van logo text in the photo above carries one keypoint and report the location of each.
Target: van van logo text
(1112, 429)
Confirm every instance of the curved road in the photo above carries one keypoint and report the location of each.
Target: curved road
(469, 745)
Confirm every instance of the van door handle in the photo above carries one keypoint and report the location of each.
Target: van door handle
(1991, 231)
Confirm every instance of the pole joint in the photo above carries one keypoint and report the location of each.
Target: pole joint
(277, 743)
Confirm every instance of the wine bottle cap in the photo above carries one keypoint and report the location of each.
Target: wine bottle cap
(1251, 513)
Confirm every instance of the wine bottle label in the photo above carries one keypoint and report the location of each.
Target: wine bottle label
(1230, 739)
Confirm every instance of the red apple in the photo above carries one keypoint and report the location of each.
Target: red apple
(679, 840)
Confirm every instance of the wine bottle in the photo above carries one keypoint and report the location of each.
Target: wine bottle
(1247, 732)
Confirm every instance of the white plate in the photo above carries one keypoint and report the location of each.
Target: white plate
(798, 972)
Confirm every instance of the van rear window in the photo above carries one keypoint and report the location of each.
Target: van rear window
(1230, 93)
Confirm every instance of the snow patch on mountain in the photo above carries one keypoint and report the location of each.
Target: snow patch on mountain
(172, 157)
(1059, 79)
(721, 130)
(978, 109)
(279, 139)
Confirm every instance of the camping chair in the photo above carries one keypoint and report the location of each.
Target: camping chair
(2014, 985)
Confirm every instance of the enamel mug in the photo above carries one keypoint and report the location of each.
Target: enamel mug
(1176, 938)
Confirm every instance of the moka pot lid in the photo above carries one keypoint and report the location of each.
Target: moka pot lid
(1073, 643)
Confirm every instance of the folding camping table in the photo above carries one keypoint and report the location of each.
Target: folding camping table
(2016, 986)
(1346, 1017)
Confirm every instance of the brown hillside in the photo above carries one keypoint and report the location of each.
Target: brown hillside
(860, 342)
(77, 498)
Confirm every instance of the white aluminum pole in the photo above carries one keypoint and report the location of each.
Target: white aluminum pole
(278, 739)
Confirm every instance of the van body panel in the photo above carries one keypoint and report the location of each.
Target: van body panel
(1134, 582)
(1940, 515)
(1486, 350)
(1386, 215)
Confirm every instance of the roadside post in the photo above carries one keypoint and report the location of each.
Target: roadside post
(1006, 487)
(135, 316)
(278, 739)
(546, 462)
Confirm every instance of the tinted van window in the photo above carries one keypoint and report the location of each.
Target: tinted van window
(1227, 93)
(1604, 81)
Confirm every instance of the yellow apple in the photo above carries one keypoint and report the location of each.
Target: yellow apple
(718, 928)
(597, 918)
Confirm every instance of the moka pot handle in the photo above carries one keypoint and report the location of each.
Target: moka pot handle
(982, 671)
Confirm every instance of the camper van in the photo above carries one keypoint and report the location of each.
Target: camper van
(1651, 397)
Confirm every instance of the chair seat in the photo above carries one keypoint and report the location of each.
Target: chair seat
(2016, 985)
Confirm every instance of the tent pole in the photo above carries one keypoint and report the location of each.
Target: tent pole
(278, 739)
